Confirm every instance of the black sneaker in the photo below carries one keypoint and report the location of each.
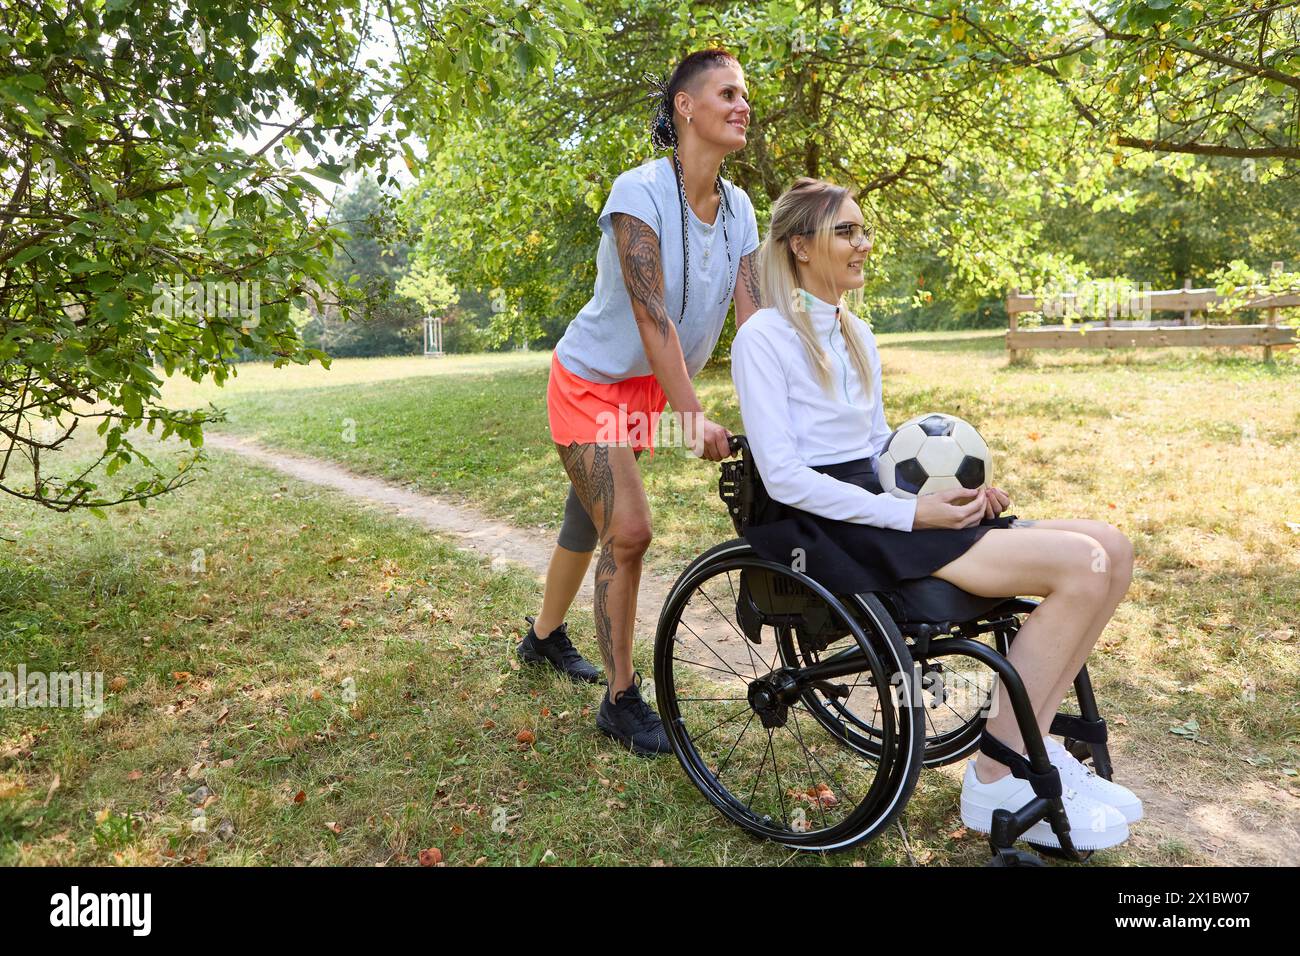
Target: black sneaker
(559, 652)
(633, 722)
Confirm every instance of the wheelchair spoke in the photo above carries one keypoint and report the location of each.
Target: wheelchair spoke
(743, 639)
(843, 789)
(723, 767)
(761, 765)
(709, 667)
(715, 653)
(812, 777)
(780, 792)
(934, 731)
(726, 720)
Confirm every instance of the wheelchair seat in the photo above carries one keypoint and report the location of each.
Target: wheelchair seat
(925, 600)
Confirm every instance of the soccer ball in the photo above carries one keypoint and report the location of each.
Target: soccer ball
(932, 452)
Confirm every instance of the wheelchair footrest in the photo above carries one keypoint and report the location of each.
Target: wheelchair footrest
(1079, 728)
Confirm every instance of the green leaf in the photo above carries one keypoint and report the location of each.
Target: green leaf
(113, 306)
(39, 352)
(26, 255)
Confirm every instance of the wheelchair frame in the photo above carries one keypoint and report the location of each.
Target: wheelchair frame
(912, 628)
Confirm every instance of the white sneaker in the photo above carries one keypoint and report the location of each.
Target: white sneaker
(1093, 825)
(1085, 780)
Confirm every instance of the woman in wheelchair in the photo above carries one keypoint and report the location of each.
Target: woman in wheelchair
(807, 374)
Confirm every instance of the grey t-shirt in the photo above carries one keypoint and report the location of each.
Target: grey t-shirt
(602, 343)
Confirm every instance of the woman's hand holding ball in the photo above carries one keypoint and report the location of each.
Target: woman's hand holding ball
(959, 507)
(950, 508)
(998, 501)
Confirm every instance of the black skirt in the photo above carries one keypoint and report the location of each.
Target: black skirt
(850, 558)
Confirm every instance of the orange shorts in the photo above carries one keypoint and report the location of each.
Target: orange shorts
(618, 413)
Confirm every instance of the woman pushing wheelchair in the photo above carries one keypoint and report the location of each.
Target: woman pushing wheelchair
(678, 242)
(807, 375)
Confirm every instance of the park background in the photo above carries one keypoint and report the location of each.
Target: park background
(321, 682)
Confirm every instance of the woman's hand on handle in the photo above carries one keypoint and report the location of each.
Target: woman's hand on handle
(705, 438)
(951, 508)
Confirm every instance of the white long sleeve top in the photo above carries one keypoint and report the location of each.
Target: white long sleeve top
(791, 423)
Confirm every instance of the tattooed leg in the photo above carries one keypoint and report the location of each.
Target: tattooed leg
(606, 569)
(608, 483)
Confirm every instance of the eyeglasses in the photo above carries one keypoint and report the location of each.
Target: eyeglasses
(859, 236)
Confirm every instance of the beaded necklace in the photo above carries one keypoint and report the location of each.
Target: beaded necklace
(686, 246)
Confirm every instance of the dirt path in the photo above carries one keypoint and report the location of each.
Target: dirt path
(1258, 826)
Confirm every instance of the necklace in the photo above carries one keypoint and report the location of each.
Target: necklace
(686, 246)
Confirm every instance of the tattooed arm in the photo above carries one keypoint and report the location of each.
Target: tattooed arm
(638, 250)
(748, 295)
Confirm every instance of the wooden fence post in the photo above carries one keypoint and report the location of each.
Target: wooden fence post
(1011, 352)
(1271, 319)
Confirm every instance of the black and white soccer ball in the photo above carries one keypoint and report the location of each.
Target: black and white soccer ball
(933, 452)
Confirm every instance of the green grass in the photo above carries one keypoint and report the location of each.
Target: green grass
(234, 616)
(299, 590)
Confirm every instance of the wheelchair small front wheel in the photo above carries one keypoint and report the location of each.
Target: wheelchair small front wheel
(738, 717)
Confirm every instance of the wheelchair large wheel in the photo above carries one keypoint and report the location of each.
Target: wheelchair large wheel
(954, 694)
(738, 716)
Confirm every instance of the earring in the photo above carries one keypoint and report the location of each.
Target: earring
(688, 121)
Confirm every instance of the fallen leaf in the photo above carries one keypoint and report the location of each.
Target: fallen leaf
(347, 624)
(334, 827)
(526, 737)
(317, 695)
(181, 676)
(430, 857)
(489, 724)
(117, 685)
(300, 796)
(135, 775)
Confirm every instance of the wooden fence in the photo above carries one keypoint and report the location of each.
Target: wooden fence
(1114, 331)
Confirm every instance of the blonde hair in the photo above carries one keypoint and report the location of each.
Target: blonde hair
(809, 206)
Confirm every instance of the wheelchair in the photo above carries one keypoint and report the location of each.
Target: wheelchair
(805, 717)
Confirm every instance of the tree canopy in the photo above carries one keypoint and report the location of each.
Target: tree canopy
(162, 168)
